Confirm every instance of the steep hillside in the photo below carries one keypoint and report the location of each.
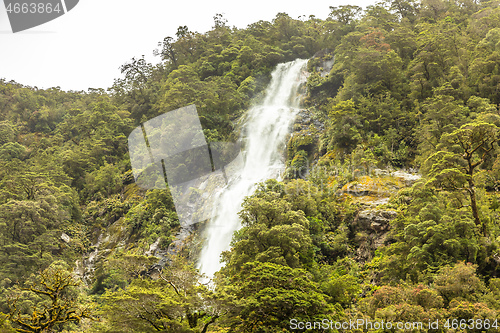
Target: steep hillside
(388, 208)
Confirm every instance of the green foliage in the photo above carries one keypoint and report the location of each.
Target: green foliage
(103, 182)
(432, 233)
(342, 289)
(459, 283)
(12, 150)
(56, 306)
(412, 84)
(271, 294)
(153, 216)
(272, 232)
(119, 270)
(7, 132)
(468, 148)
(174, 302)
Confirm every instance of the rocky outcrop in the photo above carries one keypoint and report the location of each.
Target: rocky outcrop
(378, 188)
(302, 146)
(371, 227)
(372, 224)
(375, 187)
(323, 62)
(375, 221)
(305, 119)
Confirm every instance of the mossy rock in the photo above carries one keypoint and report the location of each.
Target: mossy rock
(372, 190)
(298, 166)
(300, 141)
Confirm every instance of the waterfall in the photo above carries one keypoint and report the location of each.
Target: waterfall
(264, 133)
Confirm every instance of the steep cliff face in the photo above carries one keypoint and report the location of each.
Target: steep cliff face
(371, 227)
(302, 145)
(322, 62)
(373, 222)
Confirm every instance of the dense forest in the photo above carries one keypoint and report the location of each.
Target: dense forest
(412, 86)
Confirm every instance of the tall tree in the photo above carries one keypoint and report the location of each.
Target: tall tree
(463, 152)
(59, 304)
(345, 14)
(174, 302)
(270, 295)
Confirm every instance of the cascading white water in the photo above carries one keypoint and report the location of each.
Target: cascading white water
(264, 132)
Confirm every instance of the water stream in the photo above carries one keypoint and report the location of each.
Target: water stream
(263, 135)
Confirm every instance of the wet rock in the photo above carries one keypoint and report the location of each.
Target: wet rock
(302, 146)
(305, 135)
(180, 240)
(153, 248)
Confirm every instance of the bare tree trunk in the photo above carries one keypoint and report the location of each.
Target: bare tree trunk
(473, 205)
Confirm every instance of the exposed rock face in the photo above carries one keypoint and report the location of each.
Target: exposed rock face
(371, 227)
(302, 147)
(408, 178)
(372, 224)
(375, 220)
(324, 61)
(372, 187)
(304, 121)
(377, 189)
(181, 240)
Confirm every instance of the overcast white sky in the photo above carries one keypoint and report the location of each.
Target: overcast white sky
(84, 48)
